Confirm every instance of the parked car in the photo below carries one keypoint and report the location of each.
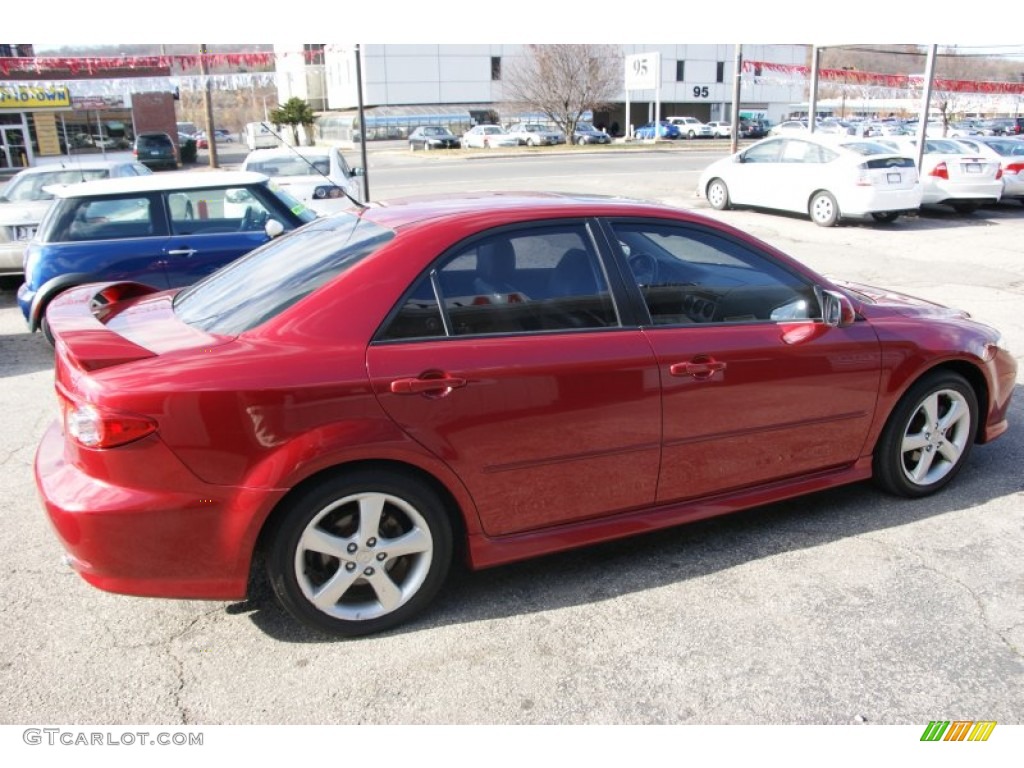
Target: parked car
(829, 178)
(1003, 126)
(319, 177)
(370, 397)
(487, 136)
(691, 128)
(429, 137)
(155, 150)
(789, 126)
(753, 129)
(720, 129)
(27, 196)
(665, 130)
(586, 133)
(950, 175)
(963, 128)
(157, 230)
(1009, 152)
(536, 134)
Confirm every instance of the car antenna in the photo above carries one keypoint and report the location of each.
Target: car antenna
(311, 165)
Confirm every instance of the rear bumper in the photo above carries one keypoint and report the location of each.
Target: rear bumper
(170, 535)
(863, 201)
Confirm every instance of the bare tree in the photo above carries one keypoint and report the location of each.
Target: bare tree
(564, 82)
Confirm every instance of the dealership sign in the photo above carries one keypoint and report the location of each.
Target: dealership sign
(23, 97)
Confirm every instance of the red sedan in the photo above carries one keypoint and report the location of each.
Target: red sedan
(492, 377)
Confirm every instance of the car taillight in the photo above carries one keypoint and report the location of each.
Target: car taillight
(332, 192)
(1014, 168)
(95, 427)
(940, 171)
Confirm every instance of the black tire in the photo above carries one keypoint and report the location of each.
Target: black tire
(915, 457)
(717, 194)
(332, 514)
(44, 328)
(823, 209)
(887, 217)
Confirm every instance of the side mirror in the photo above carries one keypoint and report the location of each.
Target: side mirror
(837, 309)
(357, 171)
(273, 228)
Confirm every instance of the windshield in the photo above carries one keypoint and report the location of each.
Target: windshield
(290, 165)
(29, 187)
(268, 280)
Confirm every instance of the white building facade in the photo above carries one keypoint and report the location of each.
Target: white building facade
(428, 83)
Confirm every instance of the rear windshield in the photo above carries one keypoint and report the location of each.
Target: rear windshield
(868, 148)
(153, 142)
(30, 186)
(267, 281)
(290, 166)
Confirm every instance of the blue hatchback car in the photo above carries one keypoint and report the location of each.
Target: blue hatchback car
(163, 231)
(666, 130)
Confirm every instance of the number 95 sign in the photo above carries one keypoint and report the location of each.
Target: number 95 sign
(643, 71)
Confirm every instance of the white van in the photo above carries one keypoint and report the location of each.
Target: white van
(259, 136)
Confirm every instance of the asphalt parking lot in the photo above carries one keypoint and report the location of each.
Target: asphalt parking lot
(844, 607)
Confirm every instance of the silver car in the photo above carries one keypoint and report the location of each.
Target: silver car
(536, 135)
(25, 199)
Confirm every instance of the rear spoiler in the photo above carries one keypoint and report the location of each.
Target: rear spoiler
(76, 321)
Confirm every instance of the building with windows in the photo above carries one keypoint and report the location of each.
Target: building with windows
(406, 85)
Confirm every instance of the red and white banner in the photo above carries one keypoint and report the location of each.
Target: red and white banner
(792, 73)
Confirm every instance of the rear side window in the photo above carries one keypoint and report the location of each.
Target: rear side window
(100, 218)
(525, 281)
(275, 276)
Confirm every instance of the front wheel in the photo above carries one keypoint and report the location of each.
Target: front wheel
(718, 195)
(928, 436)
(824, 210)
(360, 552)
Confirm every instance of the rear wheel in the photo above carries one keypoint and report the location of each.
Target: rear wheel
(928, 436)
(888, 217)
(360, 552)
(718, 195)
(824, 210)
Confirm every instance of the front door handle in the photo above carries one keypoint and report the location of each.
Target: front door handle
(441, 385)
(186, 252)
(698, 368)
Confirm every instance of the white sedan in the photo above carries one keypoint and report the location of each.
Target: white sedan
(1009, 153)
(318, 177)
(488, 136)
(951, 174)
(828, 178)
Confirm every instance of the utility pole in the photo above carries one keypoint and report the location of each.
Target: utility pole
(734, 132)
(211, 138)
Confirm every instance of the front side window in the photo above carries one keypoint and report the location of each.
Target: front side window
(688, 275)
(766, 152)
(548, 279)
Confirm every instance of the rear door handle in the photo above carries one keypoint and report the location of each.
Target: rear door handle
(186, 252)
(441, 385)
(698, 369)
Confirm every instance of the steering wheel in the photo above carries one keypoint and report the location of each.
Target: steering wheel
(644, 268)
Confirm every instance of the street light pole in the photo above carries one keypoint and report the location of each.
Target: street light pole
(362, 124)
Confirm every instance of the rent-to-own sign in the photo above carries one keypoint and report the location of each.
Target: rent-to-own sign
(22, 97)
